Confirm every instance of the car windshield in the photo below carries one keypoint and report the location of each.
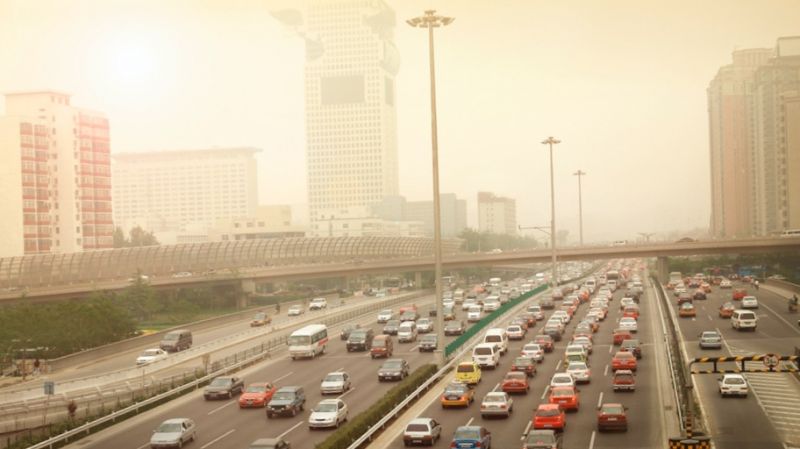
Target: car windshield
(299, 340)
(326, 407)
(170, 337)
(392, 364)
(169, 427)
(356, 334)
(386, 312)
(256, 389)
(260, 316)
(284, 396)
(378, 343)
(453, 324)
(612, 410)
(150, 352)
(220, 382)
(334, 377)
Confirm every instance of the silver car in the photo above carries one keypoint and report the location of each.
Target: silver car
(497, 403)
(335, 382)
(710, 340)
(173, 433)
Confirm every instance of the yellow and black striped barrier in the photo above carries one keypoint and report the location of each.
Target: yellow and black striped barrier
(690, 443)
(747, 358)
(770, 363)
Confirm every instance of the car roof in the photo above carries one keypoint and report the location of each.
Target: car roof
(176, 420)
(420, 420)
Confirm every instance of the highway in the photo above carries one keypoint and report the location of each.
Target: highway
(769, 417)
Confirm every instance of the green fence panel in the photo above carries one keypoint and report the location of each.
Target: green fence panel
(477, 327)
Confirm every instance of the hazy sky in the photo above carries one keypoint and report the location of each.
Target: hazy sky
(621, 83)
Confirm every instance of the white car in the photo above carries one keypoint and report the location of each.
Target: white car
(515, 332)
(182, 274)
(490, 305)
(629, 324)
(497, 403)
(749, 302)
(533, 351)
(561, 315)
(579, 371)
(537, 311)
(151, 355)
(385, 315)
(335, 382)
(562, 380)
(318, 304)
(448, 302)
(424, 325)
(625, 302)
(469, 302)
(173, 432)
(328, 413)
(295, 310)
(725, 284)
(733, 385)
(585, 342)
(474, 314)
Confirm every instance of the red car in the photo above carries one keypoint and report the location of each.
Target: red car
(726, 310)
(515, 382)
(739, 293)
(631, 311)
(612, 417)
(566, 397)
(621, 335)
(623, 380)
(257, 395)
(549, 416)
(525, 365)
(623, 360)
(545, 341)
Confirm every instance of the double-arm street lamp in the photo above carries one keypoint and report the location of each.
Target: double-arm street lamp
(551, 141)
(430, 21)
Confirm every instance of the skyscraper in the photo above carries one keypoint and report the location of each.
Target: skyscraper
(351, 64)
(56, 156)
(496, 214)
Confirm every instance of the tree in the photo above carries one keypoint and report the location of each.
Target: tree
(138, 237)
(119, 238)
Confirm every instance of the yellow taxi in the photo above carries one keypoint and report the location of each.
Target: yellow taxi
(468, 373)
(457, 394)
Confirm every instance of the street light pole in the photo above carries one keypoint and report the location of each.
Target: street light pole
(430, 21)
(550, 141)
(579, 174)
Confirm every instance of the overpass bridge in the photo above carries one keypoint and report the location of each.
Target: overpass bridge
(244, 263)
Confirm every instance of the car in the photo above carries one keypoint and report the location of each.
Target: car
(457, 394)
(624, 360)
(739, 293)
(360, 339)
(425, 431)
(391, 327)
(625, 302)
(562, 315)
(710, 340)
(385, 315)
(336, 382)
(726, 310)
(515, 332)
(347, 329)
(542, 439)
(393, 369)
(612, 416)
(549, 416)
(562, 380)
(328, 413)
(524, 364)
(749, 302)
(699, 295)
(631, 311)
(468, 303)
(448, 313)
(295, 310)
(621, 335)
(257, 395)
(554, 330)
(182, 274)
(153, 355)
(270, 443)
(428, 343)
(725, 283)
(536, 310)
(497, 403)
(409, 315)
(490, 305)
(173, 433)
(580, 371)
(547, 303)
(583, 340)
(687, 310)
(515, 382)
(533, 351)
(289, 400)
(623, 380)
(566, 397)
(454, 327)
(545, 341)
(733, 385)
(223, 387)
(424, 325)
(468, 437)
(468, 373)
(633, 346)
(260, 319)
(628, 323)
(684, 298)
(318, 304)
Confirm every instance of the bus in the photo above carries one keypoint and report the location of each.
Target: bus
(308, 341)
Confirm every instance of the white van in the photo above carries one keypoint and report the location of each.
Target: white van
(474, 313)
(497, 336)
(486, 354)
(744, 320)
(407, 332)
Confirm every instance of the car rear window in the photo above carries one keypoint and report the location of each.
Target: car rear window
(747, 316)
(465, 368)
(416, 428)
(548, 412)
(483, 351)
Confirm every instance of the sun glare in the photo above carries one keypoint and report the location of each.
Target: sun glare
(132, 60)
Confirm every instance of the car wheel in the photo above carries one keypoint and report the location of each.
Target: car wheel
(180, 444)
(294, 412)
(269, 415)
(230, 394)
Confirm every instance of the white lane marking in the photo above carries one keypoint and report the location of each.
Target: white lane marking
(470, 421)
(600, 400)
(611, 348)
(217, 439)
(795, 328)
(283, 377)
(605, 372)
(495, 387)
(143, 446)
(545, 391)
(290, 429)
(413, 348)
(339, 370)
(558, 365)
(527, 429)
(348, 391)
(709, 318)
(221, 407)
(591, 441)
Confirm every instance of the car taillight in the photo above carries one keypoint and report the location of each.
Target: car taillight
(453, 444)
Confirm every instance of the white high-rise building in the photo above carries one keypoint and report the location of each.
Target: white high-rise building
(55, 176)
(168, 190)
(351, 64)
(496, 214)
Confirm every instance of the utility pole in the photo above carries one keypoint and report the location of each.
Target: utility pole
(579, 174)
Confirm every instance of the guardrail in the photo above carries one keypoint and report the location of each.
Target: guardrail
(673, 359)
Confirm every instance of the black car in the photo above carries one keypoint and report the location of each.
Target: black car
(393, 369)
(428, 343)
(286, 401)
(360, 340)
(547, 303)
(633, 346)
(391, 327)
(224, 387)
(347, 330)
(454, 327)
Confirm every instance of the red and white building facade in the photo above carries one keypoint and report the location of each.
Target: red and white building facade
(55, 176)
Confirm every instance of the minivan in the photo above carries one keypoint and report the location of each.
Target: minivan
(382, 346)
(176, 340)
(407, 332)
(486, 354)
(497, 336)
(744, 320)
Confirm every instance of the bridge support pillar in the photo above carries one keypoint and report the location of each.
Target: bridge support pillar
(662, 269)
(248, 289)
(418, 279)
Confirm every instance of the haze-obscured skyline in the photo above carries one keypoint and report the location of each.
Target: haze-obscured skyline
(622, 84)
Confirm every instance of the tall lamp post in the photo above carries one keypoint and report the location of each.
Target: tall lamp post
(579, 174)
(430, 21)
(550, 141)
